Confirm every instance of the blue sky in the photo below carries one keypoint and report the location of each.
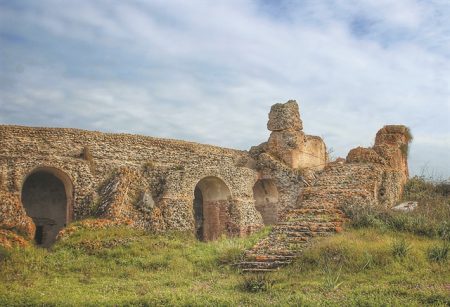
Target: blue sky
(208, 71)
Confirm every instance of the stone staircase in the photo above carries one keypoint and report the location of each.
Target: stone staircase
(317, 215)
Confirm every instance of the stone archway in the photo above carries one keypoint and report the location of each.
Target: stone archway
(265, 193)
(47, 195)
(212, 209)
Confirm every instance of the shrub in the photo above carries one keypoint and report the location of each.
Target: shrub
(438, 253)
(363, 216)
(257, 283)
(404, 148)
(431, 217)
(400, 248)
(443, 189)
(409, 136)
(230, 255)
(444, 231)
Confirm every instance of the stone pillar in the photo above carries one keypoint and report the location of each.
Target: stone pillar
(391, 143)
(288, 142)
(287, 137)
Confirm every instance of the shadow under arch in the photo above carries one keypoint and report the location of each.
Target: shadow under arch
(47, 197)
(265, 193)
(212, 208)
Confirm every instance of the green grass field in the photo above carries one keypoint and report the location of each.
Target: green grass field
(382, 258)
(121, 266)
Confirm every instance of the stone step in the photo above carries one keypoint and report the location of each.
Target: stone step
(309, 219)
(274, 251)
(288, 233)
(294, 239)
(262, 258)
(258, 270)
(309, 213)
(308, 224)
(304, 233)
(262, 265)
(314, 204)
(314, 211)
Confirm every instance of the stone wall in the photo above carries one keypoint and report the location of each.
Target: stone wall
(147, 181)
(160, 184)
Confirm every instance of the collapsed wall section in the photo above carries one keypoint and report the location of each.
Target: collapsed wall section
(390, 154)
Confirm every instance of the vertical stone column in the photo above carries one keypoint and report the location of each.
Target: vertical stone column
(289, 143)
(391, 143)
(287, 138)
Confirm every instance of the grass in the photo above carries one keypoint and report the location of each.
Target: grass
(439, 253)
(431, 218)
(400, 248)
(381, 259)
(121, 266)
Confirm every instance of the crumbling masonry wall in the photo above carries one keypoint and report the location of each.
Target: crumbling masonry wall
(145, 181)
(160, 184)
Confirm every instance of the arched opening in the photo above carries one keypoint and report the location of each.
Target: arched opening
(47, 198)
(265, 194)
(212, 209)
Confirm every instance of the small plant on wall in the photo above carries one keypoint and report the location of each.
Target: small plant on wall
(86, 154)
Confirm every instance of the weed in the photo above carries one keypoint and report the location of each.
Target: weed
(148, 166)
(404, 148)
(430, 219)
(257, 283)
(443, 188)
(230, 255)
(178, 167)
(121, 266)
(400, 248)
(438, 253)
(409, 136)
(332, 279)
(86, 154)
(444, 231)
(368, 261)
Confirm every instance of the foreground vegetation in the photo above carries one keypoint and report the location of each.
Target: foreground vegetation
(376, 261)
(120, 266)
(431, 218)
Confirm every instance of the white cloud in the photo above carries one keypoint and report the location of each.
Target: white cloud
(209, 72)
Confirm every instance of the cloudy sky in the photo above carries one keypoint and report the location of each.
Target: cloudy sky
(208, 71)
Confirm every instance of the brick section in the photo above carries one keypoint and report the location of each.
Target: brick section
(217, 219)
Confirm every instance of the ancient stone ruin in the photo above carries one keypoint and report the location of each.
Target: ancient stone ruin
(50, 177)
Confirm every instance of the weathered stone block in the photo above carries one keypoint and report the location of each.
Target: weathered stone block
(284, 116)
(364, 155)
(313, 155)
(285, 145)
